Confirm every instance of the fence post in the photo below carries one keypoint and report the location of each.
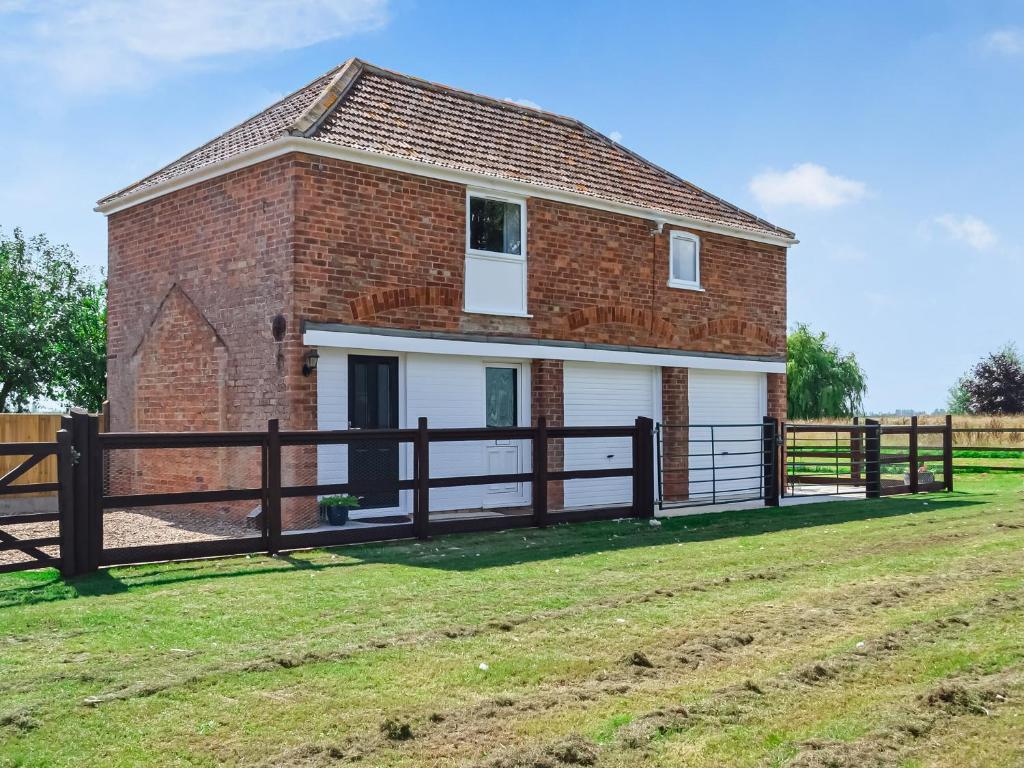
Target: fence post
(856, 451)
(95, 511)
(783, 468)
(421, 480)
(80, 478)
(66, 499)
(643, 467)
(273, 487)
(88, 491)
(947, 453)
(540, 473)
(770, 453)
(913, 455)
(873, 458)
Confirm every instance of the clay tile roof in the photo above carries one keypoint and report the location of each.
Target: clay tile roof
(363, 107)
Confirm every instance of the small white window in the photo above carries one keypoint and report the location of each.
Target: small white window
(495, 254)
(684, 261)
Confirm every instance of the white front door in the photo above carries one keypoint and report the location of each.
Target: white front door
(502, 406)
(604, 395)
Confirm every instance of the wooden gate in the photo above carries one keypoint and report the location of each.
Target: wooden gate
(12, 538)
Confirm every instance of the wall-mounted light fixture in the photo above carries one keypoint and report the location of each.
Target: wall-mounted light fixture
(309, 363)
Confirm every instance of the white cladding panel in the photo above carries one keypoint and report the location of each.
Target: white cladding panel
(720, 402)
(332, 413)
(599, 395)
(495, 285)
(449, 391)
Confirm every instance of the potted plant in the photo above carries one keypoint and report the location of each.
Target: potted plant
(334, 509)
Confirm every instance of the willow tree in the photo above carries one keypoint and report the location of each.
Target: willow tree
(824, 383)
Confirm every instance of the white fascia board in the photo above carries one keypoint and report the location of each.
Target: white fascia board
(288, 144)
(385, 342)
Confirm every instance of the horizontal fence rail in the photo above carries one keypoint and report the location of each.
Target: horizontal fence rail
(861, 459)
(272, 491)
(1010, 449)
(27, 456)
(100, 476)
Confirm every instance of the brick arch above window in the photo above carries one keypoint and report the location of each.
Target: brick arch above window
(598, 314)
(734, 326)
(398, 298)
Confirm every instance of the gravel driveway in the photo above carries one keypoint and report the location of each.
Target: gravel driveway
(128, 528)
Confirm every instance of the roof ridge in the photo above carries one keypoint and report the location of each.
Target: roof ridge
(479, 97)
(320, 109)
(219, 136)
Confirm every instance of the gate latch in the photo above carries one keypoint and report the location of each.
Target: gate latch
(76, 456)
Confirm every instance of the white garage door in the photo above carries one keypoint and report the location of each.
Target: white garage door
(726, 409)
(599, 395)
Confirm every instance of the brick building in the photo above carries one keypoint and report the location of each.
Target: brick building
(447, 255)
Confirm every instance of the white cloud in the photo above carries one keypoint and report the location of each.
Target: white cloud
(967, 229)
(99, 44)
(1005, 42)
(615, 136)
(807, 184)
(524, 103)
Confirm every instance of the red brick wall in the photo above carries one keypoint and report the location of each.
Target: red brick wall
(546, 399)
(383, 248)
(226, 245)
(195, 279)
(777, 401)
(675, 447)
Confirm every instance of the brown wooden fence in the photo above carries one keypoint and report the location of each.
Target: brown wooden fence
(84, 513)
(869, 459)
(853, 457)
(23, 457)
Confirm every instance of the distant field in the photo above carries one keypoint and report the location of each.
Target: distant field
(974, 452)
(843, 634)
(974, 438)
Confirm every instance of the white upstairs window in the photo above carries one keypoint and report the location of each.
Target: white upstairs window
(495, 254)
(684, 261)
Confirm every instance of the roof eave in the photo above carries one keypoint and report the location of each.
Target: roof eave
(289, 144)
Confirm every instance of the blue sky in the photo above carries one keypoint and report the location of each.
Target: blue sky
(889, 136)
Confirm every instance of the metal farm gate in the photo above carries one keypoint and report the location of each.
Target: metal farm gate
(706, 464)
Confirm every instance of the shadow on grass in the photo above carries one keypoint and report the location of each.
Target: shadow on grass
(489, 550)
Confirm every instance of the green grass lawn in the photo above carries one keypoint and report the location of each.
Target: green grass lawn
(849, 633)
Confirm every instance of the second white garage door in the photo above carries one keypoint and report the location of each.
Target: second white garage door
(598, 395)
(720, 401)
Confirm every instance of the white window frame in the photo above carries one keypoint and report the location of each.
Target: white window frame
(687, 285)
(517, 258)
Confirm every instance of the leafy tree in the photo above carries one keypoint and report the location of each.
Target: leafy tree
(81, 375)
(824, 383)
(994, 385)
(958, 402)
(52, 326)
